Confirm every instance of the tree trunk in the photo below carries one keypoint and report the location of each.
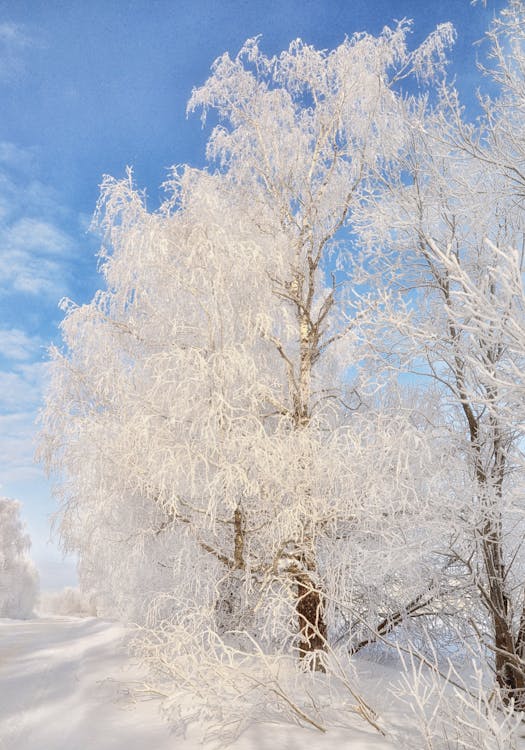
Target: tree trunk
(509, 670)
(312, 626)
(230, 607)
(510, 674)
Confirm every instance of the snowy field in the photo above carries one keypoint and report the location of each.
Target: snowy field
(65, 685)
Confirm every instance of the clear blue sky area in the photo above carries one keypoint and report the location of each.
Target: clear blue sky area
(89, 87)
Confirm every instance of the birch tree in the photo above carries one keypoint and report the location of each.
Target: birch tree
(211, 455)
(496, 316)
(460, 234)
(312, 166)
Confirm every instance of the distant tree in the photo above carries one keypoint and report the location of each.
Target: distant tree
(67, 601)
(18, 577)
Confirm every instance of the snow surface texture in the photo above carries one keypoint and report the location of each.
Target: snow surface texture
(65, 684)
(62, 687)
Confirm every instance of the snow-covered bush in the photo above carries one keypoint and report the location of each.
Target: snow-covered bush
(18, 576)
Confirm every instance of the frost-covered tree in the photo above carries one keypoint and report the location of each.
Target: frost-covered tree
(204, 418)
(455, 221)
(18, 577)
(494, 317)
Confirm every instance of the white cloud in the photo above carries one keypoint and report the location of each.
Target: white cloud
(22, 388)
(18, 345)
(34, 246)
(27, 273)
(8, 196)
(36, 263)
(21, 194)
(15, 157)
(36, 235)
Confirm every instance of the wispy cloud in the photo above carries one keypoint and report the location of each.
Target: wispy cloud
(38, 265)
(21, 387)
(14, 40)
(36, 236)
(14, 157)
(21, 192)
(17, 345)
(12, 35)
(26, 273)
(34, 246)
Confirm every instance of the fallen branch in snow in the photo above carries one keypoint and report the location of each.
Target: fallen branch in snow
(391, 621)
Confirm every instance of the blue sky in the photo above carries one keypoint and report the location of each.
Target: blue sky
(88, 87)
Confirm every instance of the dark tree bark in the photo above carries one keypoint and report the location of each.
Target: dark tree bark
(312, 625)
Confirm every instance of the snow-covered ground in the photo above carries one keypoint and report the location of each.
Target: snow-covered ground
(61, 689)
(64, 685)
(67, 683)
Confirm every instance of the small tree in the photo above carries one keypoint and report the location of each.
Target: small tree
(18, 577)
